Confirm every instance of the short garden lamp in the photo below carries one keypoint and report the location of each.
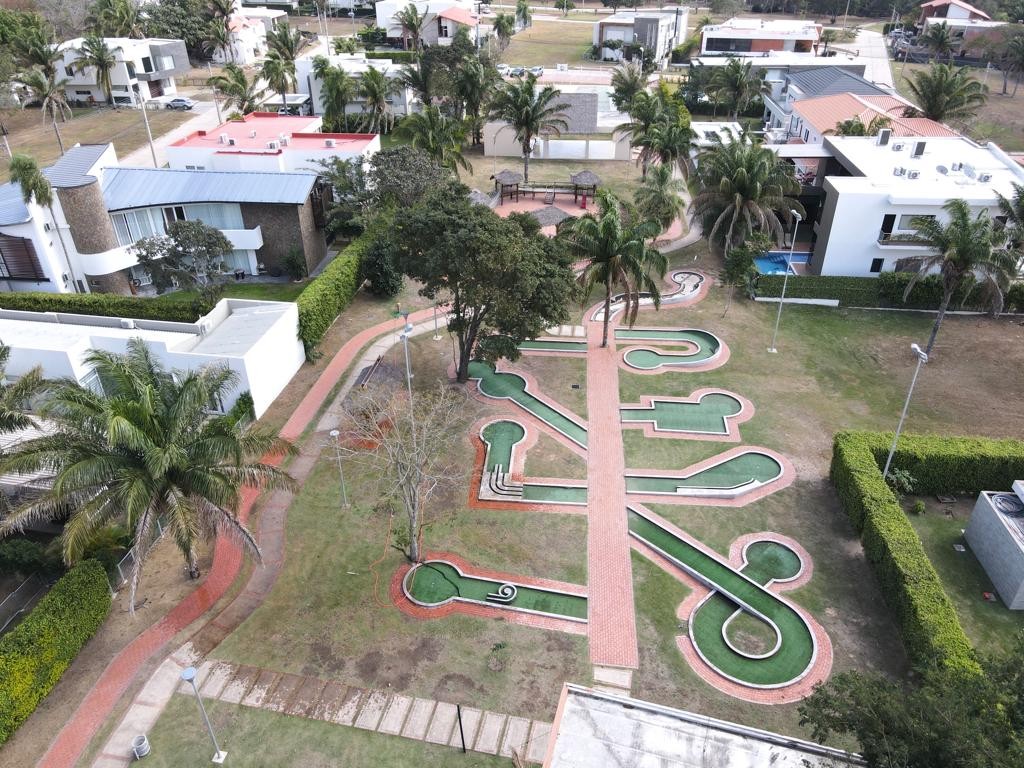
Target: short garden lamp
(922, 358)
(189, 676)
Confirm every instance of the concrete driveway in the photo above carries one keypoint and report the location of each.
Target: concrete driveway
(872, 47)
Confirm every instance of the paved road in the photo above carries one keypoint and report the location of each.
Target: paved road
(872, 47)
(204, 117)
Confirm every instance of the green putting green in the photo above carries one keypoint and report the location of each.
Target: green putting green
(707, 346)
(734, 591)
(707, 416)
(511, 386)
(560, 494)
(500, 437)
(553, 345)
(434, 582)
(733, 473)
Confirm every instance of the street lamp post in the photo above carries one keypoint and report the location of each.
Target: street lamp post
(437, 334)
(189, 676)
(406, 333)
(785, 280)
(149, 133)
(216, 103)
(922, 358)
(336, 437)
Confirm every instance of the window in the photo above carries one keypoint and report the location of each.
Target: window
(195, 167)
(141, 275)
(69, 71)
(876, 265)
(130, 66)
(807, 134)
(85, 94)
(147, 64)
(173, 214)
(18, 259)
(905, 221)
(217, 215)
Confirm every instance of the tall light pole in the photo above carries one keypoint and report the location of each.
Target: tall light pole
(922, 358)
(846, 16)
(785, 280)
(437, 334)
(406, 333)
(336, 437)
(149, 133)
(189, 676)
(216, 103)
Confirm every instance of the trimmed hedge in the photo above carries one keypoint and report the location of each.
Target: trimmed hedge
(851, 291)
(107, 304)
(34, 655)
(399, 57)
(927, 293)
(329, 293)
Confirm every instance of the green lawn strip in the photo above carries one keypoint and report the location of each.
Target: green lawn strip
(288, 291)
(731, 473)
(797, 647)
(434, 582)
(708, 415)
(554, 493)
(257, 738)
(554, 346)
(513, 387)
(500, 437)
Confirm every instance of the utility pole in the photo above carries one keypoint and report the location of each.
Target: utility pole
(3, 134)
(149, 133)
(216, 103)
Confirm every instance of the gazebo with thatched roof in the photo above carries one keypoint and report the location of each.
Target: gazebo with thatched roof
(584, 183)
(507, 183)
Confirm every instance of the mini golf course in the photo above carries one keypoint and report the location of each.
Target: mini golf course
(735, 593)
(500, 438)
(732, 477)
(554, 345)
(707, 416)
(436, 582)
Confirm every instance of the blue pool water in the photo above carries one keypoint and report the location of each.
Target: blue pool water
(774, 262)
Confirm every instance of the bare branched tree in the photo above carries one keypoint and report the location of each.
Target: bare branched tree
(406, 448)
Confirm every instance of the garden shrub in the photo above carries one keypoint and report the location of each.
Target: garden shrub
(380, 268)
(329, 293)
(1015, 298)
(34, 655)
(399, 57)
(24, 556)
(850, 291)
(108, 304)
(927, 293)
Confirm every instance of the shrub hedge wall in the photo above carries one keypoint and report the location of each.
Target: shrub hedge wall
(329, 293)
(107, 304)
(399, 57)
(851, 291)
(34, 655)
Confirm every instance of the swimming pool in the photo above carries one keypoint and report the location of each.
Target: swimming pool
(774, 262)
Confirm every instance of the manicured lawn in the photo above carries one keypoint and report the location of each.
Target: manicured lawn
(242, 290)
(621, 177)
(257, 738)
(547, 43)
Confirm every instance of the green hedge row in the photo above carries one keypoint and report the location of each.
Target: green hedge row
(34, 655)
(329, 293)
(24, 556)
(930, 627)
(850, 291)
(107, 304)
(927, 292)
(399, 57)
(956, 465)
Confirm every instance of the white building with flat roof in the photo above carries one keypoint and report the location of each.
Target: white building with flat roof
(657, 30)
(355, 64)
(874, 186)
(755, 37)
(144, 67)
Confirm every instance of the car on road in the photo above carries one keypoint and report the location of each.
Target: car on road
(180, 103)
(502, 69)
(538, 71)
(516, 71)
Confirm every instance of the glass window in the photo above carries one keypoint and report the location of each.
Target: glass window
(217, 215)
(124, 236)
(876, 265)
(905, 221)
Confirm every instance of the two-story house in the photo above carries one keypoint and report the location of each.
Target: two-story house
(443, 19)
(145, 70)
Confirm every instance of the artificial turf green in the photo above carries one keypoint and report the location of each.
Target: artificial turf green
(500, 437)
(556, 493)
(560, 345)
(731, 473)
(707, 416)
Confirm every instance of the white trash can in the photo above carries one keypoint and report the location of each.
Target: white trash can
(140, 746)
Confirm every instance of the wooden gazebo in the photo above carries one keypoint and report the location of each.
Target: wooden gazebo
(585, 183)
(506, 183)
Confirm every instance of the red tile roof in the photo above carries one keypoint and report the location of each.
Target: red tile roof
(826, 112)
(961, 3)
(459, 15)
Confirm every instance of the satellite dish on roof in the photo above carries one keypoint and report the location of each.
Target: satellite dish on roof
(942, 169)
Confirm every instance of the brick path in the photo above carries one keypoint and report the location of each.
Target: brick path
(72, 740)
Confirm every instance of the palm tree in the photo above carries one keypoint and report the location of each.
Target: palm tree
(35, 50)
(221, 9)
(345, 45)
(473, 82)
(284, 41)
(377, 89)
(945, 93)
(666, 142)
(964, 248)
(939, 40)
(504, 28)
(737, 84)
(439, 136)
(412, 22)
(1012, 209)
(218, 38)
(114, 18)
(94, 53)
(628, 80)
(1013, 61)
(49, 92)
(523, 14)
(828, 36)
(145, 449)
(660, 197)
(703, 21)
(16, 396)
(419, 80)
(617, 256)
(855, 126)
(743, 188)
(239, 91)
(279, 74)
(338, 90)
(529, 113)
(646, 110)
(24, 172)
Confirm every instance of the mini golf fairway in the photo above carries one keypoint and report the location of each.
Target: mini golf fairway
(554, 345)
(511, 386)
(734, 476)
(793, 651)
(501, 437)
(436, 582)
(707, 416)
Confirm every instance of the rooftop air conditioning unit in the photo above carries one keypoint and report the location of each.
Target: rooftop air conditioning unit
(272, 145)
(913, 174)
(899, 171)
(223, 138)
(127, 323)
(328, 142)
(883, 136)
(284, 141)
(956, 167)
(985, 177)
(898, 146)
(231, 142)
(252, 134)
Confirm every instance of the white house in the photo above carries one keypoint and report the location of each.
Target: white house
(444, 17)
(355, 64)
(248, 42)
(269, 17)
(268, 142)
(657, 30)
(145, 70)
(874, 186)
(256, 339)
(757, 37)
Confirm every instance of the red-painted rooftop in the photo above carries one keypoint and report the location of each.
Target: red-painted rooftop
(302, 132)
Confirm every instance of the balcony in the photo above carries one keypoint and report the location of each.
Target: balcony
(896, 239)
(245, 239)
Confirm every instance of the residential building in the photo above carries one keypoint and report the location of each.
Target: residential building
(950, 9)
(874, 186)
(264, 141)
(248, 42)
(790, 88)
(969, 34)
(101, 209)
(757, 37)
(269, 17)
(656, 30)
(292, 4)
(258, 340)
(145, 70)
(444, 17)
(402, 103)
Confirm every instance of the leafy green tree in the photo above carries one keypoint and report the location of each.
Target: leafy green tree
(1013, 61)
(503, 286)
(441, 137)
(220, 9)
(743, 188)
(279, 74)
(218, 38)
(660, 197)
(239, 91)
(35, 187)
(412, 23)
(504, 28)
(402, 176)
(964, 248)
(16, 396)
(377, 89)
(628, 79)
(186, 20)
(945, 93)
(284, 41)
(617, 255)
(564, 6)
(192, 255)
(740, 271)
(379, 266)
(95, 54)
(34, 49)
(143, 449)
(372, 36)
(529, 112)
(114, 18)
(738, 85)
(1012, 209)
(352, 200)
(855, 126)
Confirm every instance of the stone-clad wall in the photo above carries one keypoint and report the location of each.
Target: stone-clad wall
(87, 217)
(285, 227)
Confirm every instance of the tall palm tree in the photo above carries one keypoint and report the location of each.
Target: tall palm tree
(523, 15)
(145, 449)
(377, 89)
(34, 49)
(218, 38)
(49, 92)
(239, 91)
(964, 248)
(946, 93)
(284, 41)
(666, 142)
(529, 113)
(472, 85)
(939, 40)
(439, 136)
(737, 84)
(618, 256)
(828, 36)
(221, 9)
(504, 28)
(16, 396)
(646, 110)
(419, 80)
(279, 74)
(855, 126)
(1013, 60)
(1012, 209)
(660, 197)
(35, 187)
(94, 53)
(628, 80)
(114, 18)
(338, 89)
(412, 23)
(743, 188)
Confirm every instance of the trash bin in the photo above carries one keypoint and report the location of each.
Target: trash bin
(140, 746)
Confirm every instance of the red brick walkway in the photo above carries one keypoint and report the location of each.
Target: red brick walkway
(99, 702)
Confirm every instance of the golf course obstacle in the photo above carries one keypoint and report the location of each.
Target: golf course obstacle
(707, 414)
(731, 475)
(502, 476)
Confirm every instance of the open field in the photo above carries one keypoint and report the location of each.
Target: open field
(551, 42)
(30, 136)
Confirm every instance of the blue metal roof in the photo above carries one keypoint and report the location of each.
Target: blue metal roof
(143, 187)
(72, 170)
(829, 81)
(12, 205)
